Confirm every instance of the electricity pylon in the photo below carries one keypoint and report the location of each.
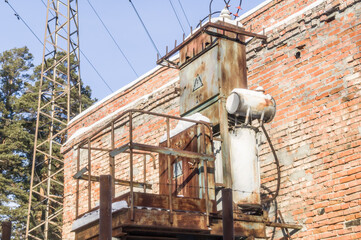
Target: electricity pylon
(59, 101)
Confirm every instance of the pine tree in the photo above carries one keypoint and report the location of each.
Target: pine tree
(16, 140)
(19, 87)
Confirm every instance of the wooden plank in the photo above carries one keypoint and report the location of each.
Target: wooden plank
(148, 218)
(184, 222)
(179, 203)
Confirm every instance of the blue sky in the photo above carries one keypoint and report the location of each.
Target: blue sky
(124, 25)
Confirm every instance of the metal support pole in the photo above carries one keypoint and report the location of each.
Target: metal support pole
(226, 160)
(77, 184)
(205, 166)
(145, 173)
(90, 173)
(6, 231)
(60, 75)
(227, 212)
(131, 166)
(170, 200)
(112, 159)
(105, 218)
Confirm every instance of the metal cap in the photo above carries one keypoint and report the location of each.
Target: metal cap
(233, 102)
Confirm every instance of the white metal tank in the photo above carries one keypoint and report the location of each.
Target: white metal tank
(245, 166)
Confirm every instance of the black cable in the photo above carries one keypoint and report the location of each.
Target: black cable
(86, 57)
(184, 13)
(210, 8)
(180, 24)
(145, 28)
(227, 3)
(240, 4)
(96, 71)
(20, 18)
(120, 50)
(238, 8)
(277, 164)
(208, 17)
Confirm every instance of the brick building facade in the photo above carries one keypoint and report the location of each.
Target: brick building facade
(311, 65)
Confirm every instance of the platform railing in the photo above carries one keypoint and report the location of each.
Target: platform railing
(132, 147)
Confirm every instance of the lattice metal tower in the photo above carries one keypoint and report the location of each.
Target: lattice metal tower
(59, 100)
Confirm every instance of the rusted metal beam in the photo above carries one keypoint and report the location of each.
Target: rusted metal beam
(97, 149)
(117, 181)
(77, 184)
(119, 150)
(122, 115)
(233, 29)
(89, 170)
(112, 159)
(283, 221)
(227, 214)
(170, 207)
(283, 225)
(131, 166)
(105, 215)
(174, 152)
(224, 26)
(162, 150)
(6, 231)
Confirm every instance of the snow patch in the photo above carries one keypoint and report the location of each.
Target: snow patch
(84, 130)
(122, 89)
(183, 125)
(252, 93)
(94, 215)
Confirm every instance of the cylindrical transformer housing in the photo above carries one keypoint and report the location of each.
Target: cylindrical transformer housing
(245, 166)
(254, 103)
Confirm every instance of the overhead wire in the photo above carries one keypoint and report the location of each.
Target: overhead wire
(184, 13)
(20, 18)
(180, 24)
(227, 3)
(105, 82)
(86, 58)
(145, 28)
(238, 8)
(111, 36)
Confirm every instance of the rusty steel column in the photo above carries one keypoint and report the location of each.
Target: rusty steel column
(105, 217)
(6, 231)
(227, 214)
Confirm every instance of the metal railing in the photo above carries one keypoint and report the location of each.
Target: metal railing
(132, 147)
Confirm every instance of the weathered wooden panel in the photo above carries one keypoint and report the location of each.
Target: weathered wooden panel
(187, 184)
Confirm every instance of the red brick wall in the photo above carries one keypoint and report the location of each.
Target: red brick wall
(147, 85)
(316, 131)
(147, 129)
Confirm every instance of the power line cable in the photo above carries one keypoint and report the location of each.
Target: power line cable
(227, 3)
(115, 42)
(86, 58)
(180, 24)
(96, 71)
(145, 28)
(184, 13)
(238, 8)
(20, 18)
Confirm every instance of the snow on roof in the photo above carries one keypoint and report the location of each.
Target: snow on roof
(84, 130)
(94, 215)
(158, 67)
(129, 85)
(183, 125)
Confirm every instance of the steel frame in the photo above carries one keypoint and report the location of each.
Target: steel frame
(60, 75)
(131, 148)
